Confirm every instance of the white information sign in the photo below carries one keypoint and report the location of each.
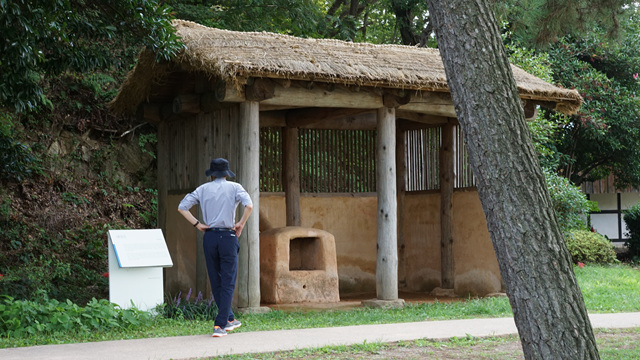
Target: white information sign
(140, 248)
(136, 259)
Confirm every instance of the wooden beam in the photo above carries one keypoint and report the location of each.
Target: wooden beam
(319, 118)
(259, 89)
(446, 207)
(149, 112)
(273, 118)
(313, 95)
(394, 99)
(266, 107)
(292, 176)
(186, 103)
(340, 119)
(227, 93)
(310, 116)
(421, 118)
(295, 96)
(434, 103)
(317, 97)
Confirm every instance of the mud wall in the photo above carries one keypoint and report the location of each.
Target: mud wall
(352, 220)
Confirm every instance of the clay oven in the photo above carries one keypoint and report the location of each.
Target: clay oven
(298, 265)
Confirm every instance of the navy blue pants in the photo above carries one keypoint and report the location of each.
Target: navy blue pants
(221, 253)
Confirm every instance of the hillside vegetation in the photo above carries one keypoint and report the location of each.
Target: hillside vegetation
(71, 172)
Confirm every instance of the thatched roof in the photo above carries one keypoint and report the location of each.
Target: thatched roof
(235, 56)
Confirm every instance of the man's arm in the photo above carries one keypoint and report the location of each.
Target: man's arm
(192, 219)
(245, 216)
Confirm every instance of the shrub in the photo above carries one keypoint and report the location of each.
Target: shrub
(590, 247)
(632, 219)
(571, 204)
(66, 265)
(19, 318)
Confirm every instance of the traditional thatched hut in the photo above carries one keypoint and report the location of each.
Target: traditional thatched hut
(359, 140)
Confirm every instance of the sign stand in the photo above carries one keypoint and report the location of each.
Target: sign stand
(136, 259)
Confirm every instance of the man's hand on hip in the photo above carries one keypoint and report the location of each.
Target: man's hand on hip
(238, 228)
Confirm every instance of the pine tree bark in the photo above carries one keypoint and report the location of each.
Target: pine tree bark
(535, 264)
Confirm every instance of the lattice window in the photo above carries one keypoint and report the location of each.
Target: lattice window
(422, 158)
(334, 161)
(331, 161)
(462, 167)
(271, 159)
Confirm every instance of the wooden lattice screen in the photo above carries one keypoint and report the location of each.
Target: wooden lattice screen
(463, 175)
(331, 161)
(271, 168)
(337, 161)
(422, 158)
(343, 161)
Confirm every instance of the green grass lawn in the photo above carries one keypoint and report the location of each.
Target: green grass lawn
(605, 289)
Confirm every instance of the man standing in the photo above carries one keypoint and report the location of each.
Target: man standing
(218, 201)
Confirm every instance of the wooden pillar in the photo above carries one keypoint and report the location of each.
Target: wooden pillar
(249, 176)
(387, 262)
(292, 176)
(401, 168)
(446, 207)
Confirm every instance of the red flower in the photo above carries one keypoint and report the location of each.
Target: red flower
(106, 274)
(580, 265)
(1, 276)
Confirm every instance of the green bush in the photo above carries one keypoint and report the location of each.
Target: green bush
(632, 219)
(590, 247)
(20, 318)
(69, 265)
(571, 204)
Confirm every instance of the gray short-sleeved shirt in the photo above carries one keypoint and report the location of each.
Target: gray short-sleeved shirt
(218, 201)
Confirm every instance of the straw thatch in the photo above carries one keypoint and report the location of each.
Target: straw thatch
(236, 56)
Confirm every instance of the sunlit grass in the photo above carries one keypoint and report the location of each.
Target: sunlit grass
(614, 288)
(605, 289)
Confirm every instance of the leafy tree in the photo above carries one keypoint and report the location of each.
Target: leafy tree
(542, 22)
(293, 17)
(546, 125)
(569, 202)
(604, 137)
(534, 261)
(42, 38)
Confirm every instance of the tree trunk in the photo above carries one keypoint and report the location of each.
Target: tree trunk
(404, 20)
(534, 261)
